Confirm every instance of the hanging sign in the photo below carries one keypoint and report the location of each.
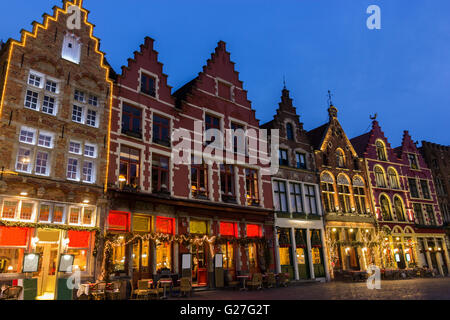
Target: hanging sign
(66, 263)
(30, 262)
(218, 261)
(186, 261)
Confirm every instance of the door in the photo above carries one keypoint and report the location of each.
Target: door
(199, 265)
(434, 261)
(48, 269)
(317, 258)
(303, 263)
(253, 258)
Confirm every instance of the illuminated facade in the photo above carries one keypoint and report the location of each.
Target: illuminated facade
(350, 228)
(54, 118)
(219, 209)
(300, 242)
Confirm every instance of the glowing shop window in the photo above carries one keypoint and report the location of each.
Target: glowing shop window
(252, 260)
(165, 225)
(26, 211)
(58, 214)
(163, 256)
(300, 256)
(9, 209)
(44, 213)
(74, 215)
(316, 256)
(285, 259)
(198, 227)
(11, 260)
(118, 256)
(80, 259)
(145, 254)
(228, 256)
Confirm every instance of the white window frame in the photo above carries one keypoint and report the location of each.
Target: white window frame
(78, 173)
(34, 131)
(48, 134)
(81, 147)
(87, 144)
(47, 167)
(37, 98)
(93, 174)
(30, 164)
(80, 215)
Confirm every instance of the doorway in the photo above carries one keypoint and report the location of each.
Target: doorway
(199, 266)
(48, 247)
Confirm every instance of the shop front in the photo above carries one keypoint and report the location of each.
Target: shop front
(200, 253)
(228, 247)
(43, 243)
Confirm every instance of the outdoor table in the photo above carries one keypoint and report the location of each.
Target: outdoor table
(165, 282)
(243, 281)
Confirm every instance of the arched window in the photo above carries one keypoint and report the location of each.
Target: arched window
(385, 208)
(393, 178)
(359, 194)
(327, 183)
(340, 158)
(344, 194)
(399, 209)
(381, 150)
(71, 48)
(380, 177)
(289, 131)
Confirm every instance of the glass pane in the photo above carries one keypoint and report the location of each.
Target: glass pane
(44, 212)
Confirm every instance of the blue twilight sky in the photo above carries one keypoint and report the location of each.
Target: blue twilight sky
(402, 71)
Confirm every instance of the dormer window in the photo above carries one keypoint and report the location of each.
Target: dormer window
(71, 49)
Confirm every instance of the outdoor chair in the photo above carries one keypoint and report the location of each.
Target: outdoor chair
(255, 282)
(186, 287)
(113, 290)
(97, 291)
(270, 280)
(12, 293)
(142, 289)
(283, 280)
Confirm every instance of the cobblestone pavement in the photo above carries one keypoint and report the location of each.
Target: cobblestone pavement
(415, 289)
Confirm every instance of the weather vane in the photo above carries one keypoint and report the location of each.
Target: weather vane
(330, 102)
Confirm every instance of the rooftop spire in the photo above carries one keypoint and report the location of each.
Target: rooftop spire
(332, 110)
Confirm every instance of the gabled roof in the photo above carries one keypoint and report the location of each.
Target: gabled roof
(360, 143)
(317, 135)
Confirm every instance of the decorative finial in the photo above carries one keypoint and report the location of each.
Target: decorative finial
(374, 117)
(330, 102)
(284, 82)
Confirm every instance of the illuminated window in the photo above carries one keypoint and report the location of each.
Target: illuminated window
(44, 213)
(199, 180)
(399, 209)
(252, 188)
(9, 209)
(11, 260)
(71, 48)
(393, 179)
(381, 150)
(359, 195)
(163, 255)
(88, 215)
(227, 183)
(130, 165)
(327, 183)
(80, 258)
(340, 158)
(74, 215)
(23, 163)
(118, 255)
(385, 208)
(344, 194)
(228, 256)
(58, 214)
(26, 211)
(413, 161)
(380, 177)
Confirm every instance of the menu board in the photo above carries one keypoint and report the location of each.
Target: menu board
(186, 261)
(66, 262)
(31, 262)
(218, 260)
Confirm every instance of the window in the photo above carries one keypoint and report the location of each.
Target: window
(72, 169)
(413, 161)
(251, 183)
(31, 100)
(79, 96)
(399, 209)
(130, 165)
(71, 48)
(301, 160)
(27, 135)
(227, 183)
(44, 213)
(34, 80)
(45, 140)
(359, 195)
(224, 90)
(385, 208)
(381, 150)
(199, 180)
(161, 130)
(418, 213)
(49, 105)
(74, 215)
(413, 188)
(340, 158)
(425, 189)
(211, 122)
(11, 260)
(296, 197)
(131, 121)
(310, 200)
(239, 140)
(344, 194)
(23, 160)
(51, 86)
(77, 114)
(42, 163)
(440, 187)
(327, 182)
(160, 174)
(26, 211)
(393, 178)
(280, 198)
(75, 147)
(283, 156)
(90, 150)
(380, 178)
(91, 119)
(58, 214)
(9, 209)
(93, 100)
(148, 85)
(431, 215)
(88, 214)
(88, 172)
(289, 132)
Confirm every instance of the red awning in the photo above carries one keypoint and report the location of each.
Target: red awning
(79, 239)
(13, 236)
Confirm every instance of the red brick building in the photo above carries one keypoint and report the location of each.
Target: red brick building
(54, 131)
(183, 215)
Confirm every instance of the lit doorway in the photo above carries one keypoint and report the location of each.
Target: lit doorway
(199, 266)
